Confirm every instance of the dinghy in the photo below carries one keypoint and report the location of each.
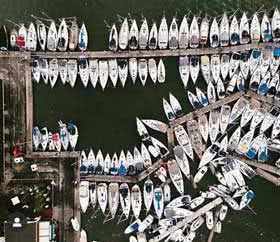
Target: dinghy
(31, 38)
(72, 70)
(52, 37)
(84, 71)
(224, 117)
(62, 36)
(182, 160)
(184, 34)
(203, 127)
(205, 68)
(176, 176)
(158, 201)
(215, 67)
(113, 71)
(223, 212)
(173, 40)
(153, 37)
(133, 68)
(84, 195)
(152, 67)
(133, 36)
(41, 34)
(156, 125)
(214, 34)
(275, 25)
(113, 38)
(83, 38)
(103, 73)
(125, 199)
(144, 34)
(234, 31)
(176, 106)
(73, 35)
(136, 200)
(113, 198)
(183, 140)
(209, 219)
(102, 197)
(194, 68)
(163, 34)
(214, 124)
(194, 33)
(143, 70)
(255, 29)
(184, 69)
(161, 72)
(266, 29)
(204, 31)
(244, 29)
(224, 31)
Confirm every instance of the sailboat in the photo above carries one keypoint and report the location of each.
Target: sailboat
(136, 200)
(204, 31)
(124, 35)
(113, 38)
(125, 199)
(53, 71)
(158, 201)
(184, 69)
(224, 31)
(173, 40)
(163, 34)
(84, 195)
(244, 29)
(143, 34)
(113, 198)
(184, 34)
(62, 36)
(133, 36)
(148, 193)
(176, 176)
(153, 37)
(133, 68)
(214, 34)
(102, 196)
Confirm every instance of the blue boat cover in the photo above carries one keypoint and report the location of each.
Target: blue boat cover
(276, 52)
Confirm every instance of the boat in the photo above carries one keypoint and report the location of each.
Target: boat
(156, 125)
(184, 69)
(158, 201)
(220, 89)
(113, 198)
(115, 164)
(246, 199)
(255, 80)
(131, 166)
(36, 137)
(168, 110)
(31, 38)
(234, 139)
(211, 92)
(107, 164)
(258, 118)
(153, 37)
(123, 71)
(166, 193)
(168, 222)
(35, 70)
(215, 67)
(223, 212)
(100, 163)
(183, 140)
(275, 25)
(102, 196)
(240, 82)
(62, 36)
(182, 160)
(197, 223)
(195, 137)
(83, 38)
(113, 38)
(265, 61)
(162, 149)
(194, 33)
(161, 72)
(201, 97)
(231, 202)
(62, 70)
(245, 141)
(234, 64)
(136, 200)
(267, 122)
(276, 127)
(254, 60)
(72, 70)
(224, 31)
(84, 195)
(234, 31)
(184, 33)
(147, 160)
(194, 100)
(214, 124)
(113, 71)
(141, 129)
(205, 68)
(44, 70)
(263, 151)
(272, 86)
(163, 34)
(224, 69)
(147, 222)
(148, 194)
(133, 68)
(178, 202)
(214, 34)
(84, 71)
(254, 147)
(209, 154)
(190, 236)
(91, 161)
(143, 70)
(204, 31)
(120, 165)
(209, 219)
(133, 37)
(83, 163)
(133, 227)
(64, 135)
(194, 68)
(177, 212)
(218, 227)
(93, 194)
(75, 224)
(223, 145)
(203, 127)
(255, 29)
(224, 117)
(41, 34)
(73, 35)
(22, 37)
(103, 73)
(132, 239)
(238, 109)
(161, 174)
(176, 106)
(244, 29)
(173, 40)
(263, 86)
(56, 141)
(52, 37)
(244, 64)
(73, 134)
(93, 71)
(200, 174)
(266, 29)
(143, 34)
(83, 237)
(125, 199)
(13, 39)
(176, 176)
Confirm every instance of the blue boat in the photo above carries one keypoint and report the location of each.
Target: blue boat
(246, 199)
(122, 165)
(263, 153)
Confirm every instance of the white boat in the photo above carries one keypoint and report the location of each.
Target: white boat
(100, 163)
(244, 64)
(72, 71)
(265, 61)
(107, 164)
(83, 38)
(62, 36)
(163, 34)
(255, 60)
(13, 39)
(275, 25)
(84, 195)
(152, 67)
(102, 196)
(183, 140)
(41, 34)
(132, 239)
(209, 219)
(176, 106)
(147, 222)
(194, 33)
(201, 97)
(133, 37)
(255, 80)
(93, 194)
(238, 109)
(143, 34)
(224, 144)
(214, 34)
(93, 71)
(184, 33)
(75, 224)
(190, 236)
(263, 86)
(158, 201)
(224, 31)
(73, 134)
(138, 160)
(215, 67)
(197, 202)
(83, 237)
(124, 35)
(148, 193)
(141, 129)
(255, 29)
(234, 31)
(234, 139)
(220, 89)
(133, 227)
(224, 66)
(182, 160)
(176, 176)
(113, 198)
(173, 40)
(209, 154)
(133, 68)
(53, 71)
(156, 125)
(168, 110)
(153, 37)
(194, 68)
(194, 101)
(121, 165)
(203, 127)
(113, 38)
(240, 82)
(73, 35)
(197, 223)
(224, 117)
(204, 31)
(223, 212)
(143, 70)
(161, 72)
(162, 149)
(267, 122)
(64, 135)
(184, 69)
(166, 193)
(125, 199)
(200, 174)
(272, 85)
(115, 164)
(62, 70)
(178, 202)
(123, 71)
(131, 164)
(244, 29)
(245, 141)
(84, 71)
(36, 137)
(92, 161)
(103, 73)
(113, 71)
(161, 174)
(31, 38)
(147, 160)
(177, 212)
(232, 203)
(233, 64)
(218, 227)
(276, 127)
(258, 118)
(168, 222)
(214, 124)
(52, 37)
(211, 92)
(136, 200)
(205, 68)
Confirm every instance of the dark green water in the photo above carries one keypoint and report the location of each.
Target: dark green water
(107, 119)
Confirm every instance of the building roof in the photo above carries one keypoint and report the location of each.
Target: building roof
(27, 233)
